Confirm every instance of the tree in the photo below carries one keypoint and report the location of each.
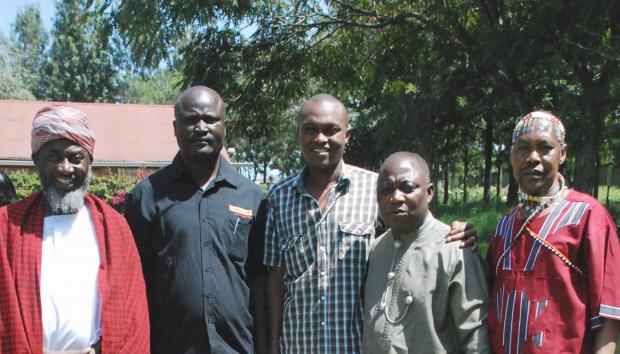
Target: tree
(13, 75)
(30, 40)
(414, 75)
(80, 66)
(160, 87)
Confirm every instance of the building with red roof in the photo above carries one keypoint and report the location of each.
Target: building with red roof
(130, 136)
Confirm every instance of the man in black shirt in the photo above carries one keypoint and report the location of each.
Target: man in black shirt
(197, 225)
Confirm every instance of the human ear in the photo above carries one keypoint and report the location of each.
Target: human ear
(563, 153)
(430, 192)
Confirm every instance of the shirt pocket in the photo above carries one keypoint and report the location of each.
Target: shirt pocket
(239, 231)
(298, 255)
(355, 238)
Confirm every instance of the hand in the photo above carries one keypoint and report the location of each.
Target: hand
(464, 232)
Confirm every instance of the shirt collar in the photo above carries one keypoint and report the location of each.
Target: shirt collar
(342, 182)
(409, 237)
(225, 173)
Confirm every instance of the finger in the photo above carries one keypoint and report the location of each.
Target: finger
(470, 242)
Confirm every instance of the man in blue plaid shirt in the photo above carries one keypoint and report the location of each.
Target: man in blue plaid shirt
(320, 226)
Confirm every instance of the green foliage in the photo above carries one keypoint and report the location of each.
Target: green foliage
(30, 40)
(425, 76)
(160, 87)
(103, 186)
(13, 74)
(108, 186)
(80, 66)
(25, 183)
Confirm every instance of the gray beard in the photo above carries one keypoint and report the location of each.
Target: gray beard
(65, 203)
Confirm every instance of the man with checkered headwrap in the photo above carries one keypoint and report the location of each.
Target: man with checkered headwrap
(70, 275)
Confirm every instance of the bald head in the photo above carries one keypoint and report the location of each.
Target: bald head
(325, 103)
(199, 95)
(397, 159)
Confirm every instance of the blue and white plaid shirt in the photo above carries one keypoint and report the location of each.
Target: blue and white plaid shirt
(323, 255)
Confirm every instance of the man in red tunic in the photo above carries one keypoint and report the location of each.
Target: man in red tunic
(555, 258)
(70, 276)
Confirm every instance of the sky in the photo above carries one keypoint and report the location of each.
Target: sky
(9, 8)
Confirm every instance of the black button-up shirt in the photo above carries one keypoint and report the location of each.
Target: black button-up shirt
(198, 248)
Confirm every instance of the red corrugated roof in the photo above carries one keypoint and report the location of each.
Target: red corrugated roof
(123, 132)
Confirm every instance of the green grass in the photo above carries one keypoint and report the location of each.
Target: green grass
(483, 217)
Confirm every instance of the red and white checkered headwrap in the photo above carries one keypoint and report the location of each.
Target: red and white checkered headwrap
(61, 122)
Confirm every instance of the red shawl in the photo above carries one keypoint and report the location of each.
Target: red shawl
(125, 320)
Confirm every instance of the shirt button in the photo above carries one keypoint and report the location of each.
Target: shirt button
(323, 323)
(322, 298)
(209, 295)
(204, 219)
(322, 273)
(211, 320)
(206, 243)
(207, 270)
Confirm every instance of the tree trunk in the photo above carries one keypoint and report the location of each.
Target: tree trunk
(498, 190)
(594, 108)
(610, 173)
(446, 183)
(255, 167)
(265, 172)
(465, 170)
(488, 158)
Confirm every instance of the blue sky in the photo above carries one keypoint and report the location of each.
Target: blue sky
(9, 9)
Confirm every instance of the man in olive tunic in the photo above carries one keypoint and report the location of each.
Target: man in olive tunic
(421, 294)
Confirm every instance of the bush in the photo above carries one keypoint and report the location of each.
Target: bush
(25, 183)
(110, 188)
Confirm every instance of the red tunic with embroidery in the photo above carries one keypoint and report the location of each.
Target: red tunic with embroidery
(539, 304)
(125, 321)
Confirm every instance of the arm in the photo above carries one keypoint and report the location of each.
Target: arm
(140, 228)
(602, 253)
(468, 294)
(605, 337)
(258, 299)
(275, 294)
(464, 232)
(257, 279)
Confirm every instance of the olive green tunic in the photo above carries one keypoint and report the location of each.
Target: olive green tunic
(434, 295)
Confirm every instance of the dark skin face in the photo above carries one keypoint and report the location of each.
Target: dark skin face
(536, 158)
(63, 164)
(200, 124)
(323, 132)
(403, 194)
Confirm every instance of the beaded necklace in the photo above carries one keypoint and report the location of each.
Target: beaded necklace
(541, 203)
(529, 202)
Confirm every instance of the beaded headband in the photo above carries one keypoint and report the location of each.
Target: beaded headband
(539, 120)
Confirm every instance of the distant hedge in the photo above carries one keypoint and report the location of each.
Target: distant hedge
(110, 188)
